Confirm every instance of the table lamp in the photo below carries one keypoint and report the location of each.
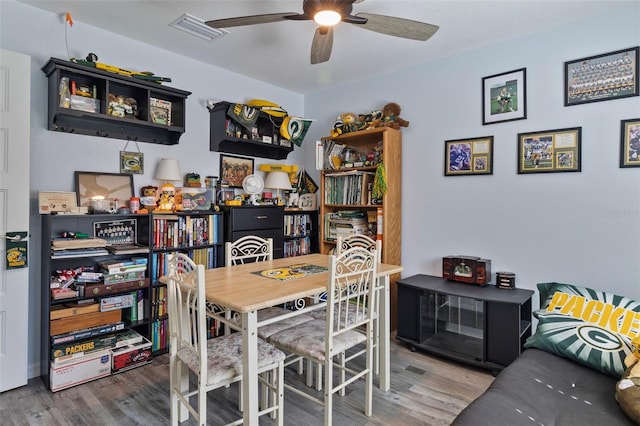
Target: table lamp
(278, 181)
(168, 170)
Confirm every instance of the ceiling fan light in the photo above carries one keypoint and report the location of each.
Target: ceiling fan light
(327, 18)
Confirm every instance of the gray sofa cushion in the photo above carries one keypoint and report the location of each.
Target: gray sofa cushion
(540, 388)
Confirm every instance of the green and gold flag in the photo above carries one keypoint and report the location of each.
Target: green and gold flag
(294, 129)
(244, 115)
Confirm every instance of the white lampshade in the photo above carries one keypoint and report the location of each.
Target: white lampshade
(278, 180)
(168, 169)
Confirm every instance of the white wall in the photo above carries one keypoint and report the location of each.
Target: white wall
(581, 228)
(55, 156)
(571, 227)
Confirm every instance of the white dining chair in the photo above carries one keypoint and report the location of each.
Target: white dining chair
(351, 285)
(252, 248)
(216, 362)
(344, 243)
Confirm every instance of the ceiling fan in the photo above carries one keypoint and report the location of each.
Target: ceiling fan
(328, 13)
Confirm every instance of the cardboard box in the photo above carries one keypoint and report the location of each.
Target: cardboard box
(132, 356)
(116, 302)
(72, 309)
(76, 322)
(80, 370)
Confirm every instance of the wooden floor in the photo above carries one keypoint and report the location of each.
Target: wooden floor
(425, 390)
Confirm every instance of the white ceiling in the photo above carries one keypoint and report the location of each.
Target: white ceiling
(278, 53)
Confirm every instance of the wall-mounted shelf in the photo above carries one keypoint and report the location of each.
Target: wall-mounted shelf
(143, 128)
(221, 138)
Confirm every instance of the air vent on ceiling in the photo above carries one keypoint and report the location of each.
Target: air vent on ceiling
(196, 26)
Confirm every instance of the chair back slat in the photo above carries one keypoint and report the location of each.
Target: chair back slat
(351, 285)
(249, 248)
(359, 240)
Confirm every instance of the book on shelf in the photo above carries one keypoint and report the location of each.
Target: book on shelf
(77, 243)
(348, 187)
(120, 301)
(131, 314)
(128, 249)
(114, 266)
(86, 333)
(84, 252)
(121, 277)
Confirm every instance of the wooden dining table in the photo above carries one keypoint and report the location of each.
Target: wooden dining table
(248, 288)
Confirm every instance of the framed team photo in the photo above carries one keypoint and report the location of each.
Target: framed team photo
(504, 97)
(469, 156)
(602, 77)
(630, 143)
(550, 151)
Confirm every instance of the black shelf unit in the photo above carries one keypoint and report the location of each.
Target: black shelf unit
(221, 141)
(52, 227)
(164, 229)
(300, 232)
(141, 129)
(481, 326)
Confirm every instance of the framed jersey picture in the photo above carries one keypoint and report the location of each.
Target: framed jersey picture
(550, 151)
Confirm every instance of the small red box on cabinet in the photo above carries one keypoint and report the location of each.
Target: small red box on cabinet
(467, 269)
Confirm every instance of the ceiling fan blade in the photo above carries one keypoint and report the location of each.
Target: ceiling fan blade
(251, 20)
(399, 27)
(322, 45)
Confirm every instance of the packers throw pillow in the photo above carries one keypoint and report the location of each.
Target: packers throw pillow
(591, 327)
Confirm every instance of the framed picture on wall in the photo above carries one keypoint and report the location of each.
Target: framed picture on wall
(504, 97)
(550, 151)
(92, 186)
(630, 143)
(469, 156)
(234, 169)
(602, 77)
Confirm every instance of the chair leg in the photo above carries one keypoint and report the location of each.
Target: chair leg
(318, 376)
(279, 396)
(173, 397)
(368, 398)
(269, 396)
(310, 367)
(328, 390)
(202, 402)
(376, 347)
(342, 357)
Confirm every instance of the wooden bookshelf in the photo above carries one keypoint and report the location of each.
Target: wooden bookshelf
(365, 149)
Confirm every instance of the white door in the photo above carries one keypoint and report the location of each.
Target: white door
(15, 113)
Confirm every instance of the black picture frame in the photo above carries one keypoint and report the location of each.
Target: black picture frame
(468, 156)
(109, 186)
(550, 151)
(504, 97)
(603, 77)
(234, 169)
(630, 143)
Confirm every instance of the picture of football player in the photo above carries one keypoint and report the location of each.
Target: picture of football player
(504, 99)
(634, 144)
(459, 157)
